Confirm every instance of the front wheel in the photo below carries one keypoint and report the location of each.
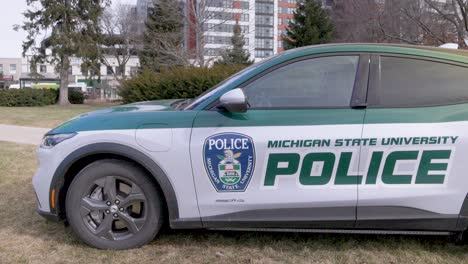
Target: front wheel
(112, 204)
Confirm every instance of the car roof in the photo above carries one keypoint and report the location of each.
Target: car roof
(460, 56)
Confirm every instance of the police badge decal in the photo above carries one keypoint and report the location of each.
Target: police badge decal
(229, 161)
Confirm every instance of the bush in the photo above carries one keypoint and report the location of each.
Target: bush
(27, 97)
(36, 97)
(75, 97)
(174, 84)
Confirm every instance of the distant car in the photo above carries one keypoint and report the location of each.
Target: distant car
(14, 86)
(333, 138)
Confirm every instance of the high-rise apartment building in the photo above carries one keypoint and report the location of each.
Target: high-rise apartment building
(263, 22)
(218, 25)
(265, 28)
(286, 10)
(142, 8)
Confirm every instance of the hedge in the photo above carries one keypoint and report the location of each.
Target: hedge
(36, 97)
(75, 97)
(175, 83)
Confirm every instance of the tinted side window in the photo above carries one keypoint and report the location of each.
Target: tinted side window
(313, 83)
(408, 82)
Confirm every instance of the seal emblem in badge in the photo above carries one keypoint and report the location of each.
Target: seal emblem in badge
(229, 161)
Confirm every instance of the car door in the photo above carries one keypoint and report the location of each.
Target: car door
(277, 164)
(416, 172)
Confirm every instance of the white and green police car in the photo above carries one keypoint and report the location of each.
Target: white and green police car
(333, 138)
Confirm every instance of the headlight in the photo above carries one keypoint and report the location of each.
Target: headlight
(49, 141)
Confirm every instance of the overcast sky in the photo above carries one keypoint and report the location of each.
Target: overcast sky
(11, 14)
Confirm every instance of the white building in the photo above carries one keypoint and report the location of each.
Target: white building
(266, 28)
(103, 84)
(219, 26)
(10, 71)
(10, 68)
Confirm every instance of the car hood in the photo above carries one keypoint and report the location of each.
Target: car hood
(161, 105)
(154, 114)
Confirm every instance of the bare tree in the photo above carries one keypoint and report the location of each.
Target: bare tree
(454, 15)
(428, 22)
(357, 21)
(121, 39)
(396, 25)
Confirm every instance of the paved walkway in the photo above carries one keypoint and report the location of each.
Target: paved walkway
(20, 134)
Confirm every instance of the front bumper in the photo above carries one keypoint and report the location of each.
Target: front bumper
(42, 181)
(49, 216)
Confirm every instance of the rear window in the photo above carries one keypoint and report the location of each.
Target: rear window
(406, 82)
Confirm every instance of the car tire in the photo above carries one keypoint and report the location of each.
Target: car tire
(113, 204)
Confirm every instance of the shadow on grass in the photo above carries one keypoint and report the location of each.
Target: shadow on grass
(33, 225)
(295, 241)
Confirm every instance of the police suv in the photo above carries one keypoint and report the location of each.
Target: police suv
(333, 138)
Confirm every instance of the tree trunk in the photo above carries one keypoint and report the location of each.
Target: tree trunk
(63, 94)
(200, 48)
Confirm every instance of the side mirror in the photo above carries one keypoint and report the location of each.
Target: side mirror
(234, 101)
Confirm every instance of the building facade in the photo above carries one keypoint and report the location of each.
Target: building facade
(219, 21)
(10, 69)
(265, 28)
(285, 14)
(261, 21)
(102, 84)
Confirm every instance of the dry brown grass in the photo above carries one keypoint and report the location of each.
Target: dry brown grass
(46, 116)
(27, 238)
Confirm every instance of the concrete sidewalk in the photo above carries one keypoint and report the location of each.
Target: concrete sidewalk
(20, 134)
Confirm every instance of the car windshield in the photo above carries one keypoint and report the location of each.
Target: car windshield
(207, 94)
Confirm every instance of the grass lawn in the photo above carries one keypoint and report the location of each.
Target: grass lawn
(46, 116)
(27, 238)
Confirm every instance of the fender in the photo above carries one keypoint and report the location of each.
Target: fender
(58, 179)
